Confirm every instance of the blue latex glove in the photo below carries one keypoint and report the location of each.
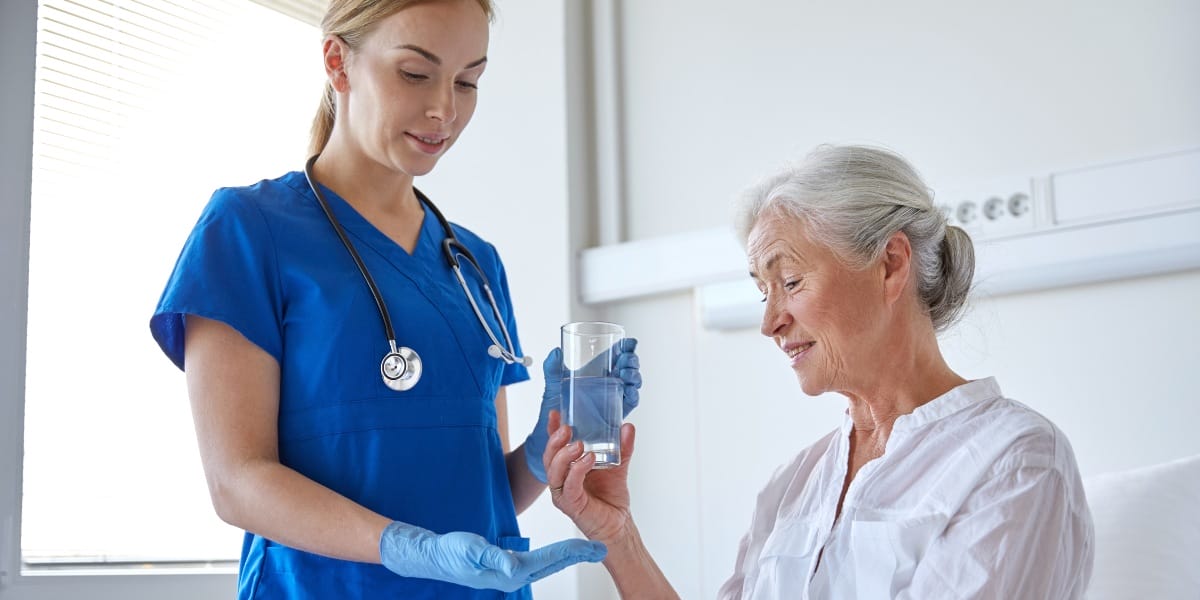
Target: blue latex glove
(625, 365)
(468, 559)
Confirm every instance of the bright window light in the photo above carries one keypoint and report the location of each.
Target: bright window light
(143, 109)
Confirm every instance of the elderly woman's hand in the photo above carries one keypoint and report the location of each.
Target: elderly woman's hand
(597, 501)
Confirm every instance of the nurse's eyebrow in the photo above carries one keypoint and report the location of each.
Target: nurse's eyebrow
(435, 59)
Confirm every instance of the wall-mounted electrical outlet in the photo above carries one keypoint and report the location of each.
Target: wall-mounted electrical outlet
(993, 210)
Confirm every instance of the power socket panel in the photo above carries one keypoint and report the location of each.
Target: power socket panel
(995, 209)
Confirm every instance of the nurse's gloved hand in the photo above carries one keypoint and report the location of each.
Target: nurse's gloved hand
(468, 559)
(625, 365)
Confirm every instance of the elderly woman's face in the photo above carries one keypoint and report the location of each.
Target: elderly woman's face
(822, 315)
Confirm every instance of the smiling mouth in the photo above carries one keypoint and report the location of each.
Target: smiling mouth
(428, 140)
(794, 352)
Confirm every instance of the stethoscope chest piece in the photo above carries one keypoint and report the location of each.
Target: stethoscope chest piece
(401, 368)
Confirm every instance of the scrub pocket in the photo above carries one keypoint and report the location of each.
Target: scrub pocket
(298, 575)
(515, 543)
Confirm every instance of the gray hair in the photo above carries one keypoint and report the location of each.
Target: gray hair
(853, 198)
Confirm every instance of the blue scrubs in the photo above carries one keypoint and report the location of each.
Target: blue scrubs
(266, 261)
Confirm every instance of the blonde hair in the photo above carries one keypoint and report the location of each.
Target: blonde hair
(854, 198)
(352, 20)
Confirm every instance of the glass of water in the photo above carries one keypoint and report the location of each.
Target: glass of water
(592, 391)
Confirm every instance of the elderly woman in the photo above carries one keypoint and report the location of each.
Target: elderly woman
(934, 486)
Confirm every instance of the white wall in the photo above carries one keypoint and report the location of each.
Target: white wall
(716, 93)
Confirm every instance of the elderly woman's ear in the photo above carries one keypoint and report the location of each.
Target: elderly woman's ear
(897, 264)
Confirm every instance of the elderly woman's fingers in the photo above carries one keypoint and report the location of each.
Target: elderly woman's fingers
(558, 457)
(568, 500)
(628, 434)
(554, 421)
(573, 496)
(560, 435)
(553, 425)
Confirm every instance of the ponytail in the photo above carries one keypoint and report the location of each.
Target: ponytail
(322, 125)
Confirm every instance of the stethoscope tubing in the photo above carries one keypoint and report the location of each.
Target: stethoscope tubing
(358, 261)
(401, 367)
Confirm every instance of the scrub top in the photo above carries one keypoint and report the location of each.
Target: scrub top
(265, 260)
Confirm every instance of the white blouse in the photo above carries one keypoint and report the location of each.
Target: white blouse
(975, 496)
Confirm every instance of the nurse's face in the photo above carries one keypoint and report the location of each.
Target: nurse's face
(822, 315)
(411, 85)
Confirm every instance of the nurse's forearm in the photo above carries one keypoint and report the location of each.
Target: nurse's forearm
(525, 487)
(278, 503)
(234, 388)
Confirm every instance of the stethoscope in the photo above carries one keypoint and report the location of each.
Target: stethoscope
(401, 367)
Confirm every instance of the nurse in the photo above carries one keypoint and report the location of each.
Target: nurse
(346, 487)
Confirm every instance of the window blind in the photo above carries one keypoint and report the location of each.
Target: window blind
(307, 11)
(99, 63)
(141, 109)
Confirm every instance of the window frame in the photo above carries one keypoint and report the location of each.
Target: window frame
(18, 47)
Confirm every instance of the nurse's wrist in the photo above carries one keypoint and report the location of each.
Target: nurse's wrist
(533, 457)
(381, 531)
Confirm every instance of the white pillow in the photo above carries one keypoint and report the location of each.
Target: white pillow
(1147, 532)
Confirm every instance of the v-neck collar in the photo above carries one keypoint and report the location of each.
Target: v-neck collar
(359, 228)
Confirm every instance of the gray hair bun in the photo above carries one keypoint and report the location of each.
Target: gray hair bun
(854, 198)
